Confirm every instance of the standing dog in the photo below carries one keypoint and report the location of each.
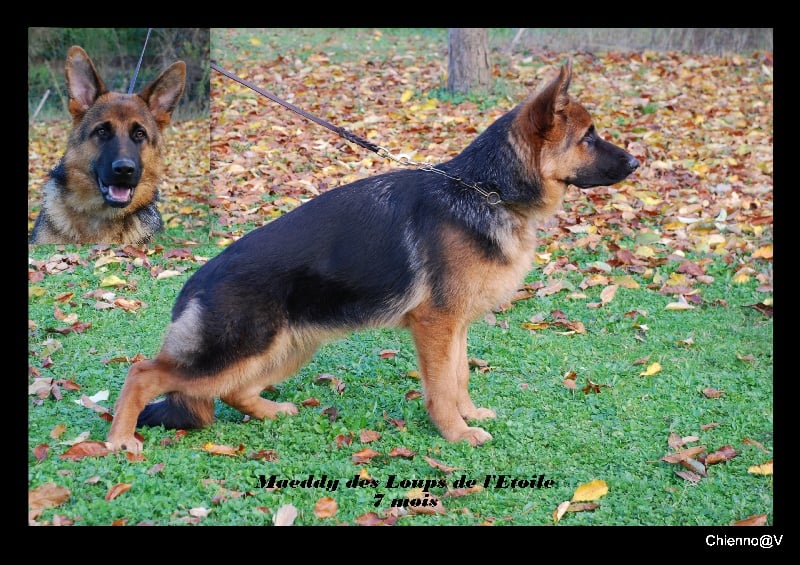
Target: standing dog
(411, 248)
(105, 188)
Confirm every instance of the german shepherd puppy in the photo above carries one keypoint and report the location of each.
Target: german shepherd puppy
(411, 248)
(105, 188)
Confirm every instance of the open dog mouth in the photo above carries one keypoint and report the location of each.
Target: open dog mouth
(116, 195)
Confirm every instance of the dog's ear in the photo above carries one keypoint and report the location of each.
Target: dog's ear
(552, 99)
(163, 94)
(84, 84)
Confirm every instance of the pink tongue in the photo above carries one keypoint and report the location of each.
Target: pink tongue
(119, 192)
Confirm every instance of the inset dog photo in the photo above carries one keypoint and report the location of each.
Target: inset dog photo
(106, 185)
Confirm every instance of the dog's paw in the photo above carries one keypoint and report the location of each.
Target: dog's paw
(286, 408)
(480, 414)
(130, 444)
(475, 436)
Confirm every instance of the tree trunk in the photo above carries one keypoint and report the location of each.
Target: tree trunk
(468, 67)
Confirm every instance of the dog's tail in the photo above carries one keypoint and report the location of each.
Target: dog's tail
(178, 411)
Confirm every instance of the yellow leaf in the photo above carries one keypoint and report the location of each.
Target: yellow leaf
(590, 491)
(626, 281)
(740, 278)
(406, 96)
(681, 305)
(112, 280)
(764, 252)
(644, 251)
(652, 369)
(167, 273)
(255, 41)
(35, 291)
(763, 469)
(430, 104)
(105, 260)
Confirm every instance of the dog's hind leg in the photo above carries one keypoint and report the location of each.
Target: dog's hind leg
(145, 381)
(438, 340)
(249, 401)
(285, 355)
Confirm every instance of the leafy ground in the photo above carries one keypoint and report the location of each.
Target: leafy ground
(633, 370)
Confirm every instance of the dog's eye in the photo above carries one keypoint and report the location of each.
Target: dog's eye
(589, 137)
(139, 134)
(101, 132)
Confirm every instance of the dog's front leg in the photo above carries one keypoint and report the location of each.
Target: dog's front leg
(143, 383)
(441, 348)
(466, 407)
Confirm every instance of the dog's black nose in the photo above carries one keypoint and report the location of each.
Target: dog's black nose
(633, 163)
(123, 168)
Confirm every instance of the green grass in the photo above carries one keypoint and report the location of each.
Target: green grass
(618, 435)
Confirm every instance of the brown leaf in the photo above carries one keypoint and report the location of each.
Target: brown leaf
(712, 393)
(724, 453)
(47, 495)
(325, 507)
(763, 308)
(582, 506)
(458, 492)
(157, 468)
(748, 441)
(438, 465)
(58, 430)
(694, 466)
(264, 454)
(89, 448)
(372, 519)
(592, 386)
(401, 452)
(331, 412)
(41, 451)
(216, 449)
(117, 490)
(343, 440)
(681, 455)
(413, 394)
(364, 456)
(689, 476)
(367, 436)
(758, 520)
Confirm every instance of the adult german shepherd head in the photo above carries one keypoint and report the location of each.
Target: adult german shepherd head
(105, 188)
